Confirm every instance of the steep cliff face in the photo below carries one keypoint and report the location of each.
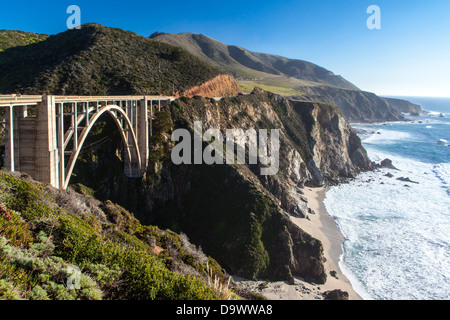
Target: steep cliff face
(337, 150)
(357, 106)
(222, 85)
(237, 215)
(404, 106)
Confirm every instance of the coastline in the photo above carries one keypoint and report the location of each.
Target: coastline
(323, 227)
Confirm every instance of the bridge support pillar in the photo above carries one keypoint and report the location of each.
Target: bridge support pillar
(142, 134)
(14, 116)
(9, 140)
(47, 156)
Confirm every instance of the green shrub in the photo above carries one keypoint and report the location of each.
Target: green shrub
(8, 291)
(43, 276)
(14, 229)
(42, 240)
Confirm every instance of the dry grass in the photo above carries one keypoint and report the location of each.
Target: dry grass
(221, 288)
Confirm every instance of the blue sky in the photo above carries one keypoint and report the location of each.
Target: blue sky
(409, 56)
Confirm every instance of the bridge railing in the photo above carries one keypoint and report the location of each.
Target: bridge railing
(7, 100)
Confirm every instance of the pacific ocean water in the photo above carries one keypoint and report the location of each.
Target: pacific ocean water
(398, 233)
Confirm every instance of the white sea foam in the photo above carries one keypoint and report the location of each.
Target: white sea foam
(356, 284)
(432, 121)
(437, 114)
(397, 237)
(442, 172)
(385, 136)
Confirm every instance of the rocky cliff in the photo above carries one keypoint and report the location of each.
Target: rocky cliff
(404, 106)
(235, 214)
(337, 150)
(356, 105)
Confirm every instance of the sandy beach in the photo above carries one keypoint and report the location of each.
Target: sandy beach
(322, 227)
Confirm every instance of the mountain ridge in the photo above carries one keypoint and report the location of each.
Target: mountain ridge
(81, 65)
(243, 63)
(298, 79)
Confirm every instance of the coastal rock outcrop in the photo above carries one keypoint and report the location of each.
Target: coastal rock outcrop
(407, 180)
(356, 105)
(387, 163)
(337, 294)
(404, 106)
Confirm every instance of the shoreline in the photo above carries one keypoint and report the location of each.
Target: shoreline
(323, 227)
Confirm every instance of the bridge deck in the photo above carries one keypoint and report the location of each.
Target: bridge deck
(22, 100)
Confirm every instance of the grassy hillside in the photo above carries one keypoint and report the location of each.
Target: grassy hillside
(96, 60)
(44, 231)
(14, 38)
(247, 65)
(281, 85)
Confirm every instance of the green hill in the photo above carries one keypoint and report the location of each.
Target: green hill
(97, 60)
(247, 65)
(14, 38)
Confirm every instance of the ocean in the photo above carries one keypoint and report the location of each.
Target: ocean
(398, 233)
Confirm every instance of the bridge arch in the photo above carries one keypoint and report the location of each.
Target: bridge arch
(131, 151)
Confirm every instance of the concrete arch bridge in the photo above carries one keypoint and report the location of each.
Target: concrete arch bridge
(39, 142)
